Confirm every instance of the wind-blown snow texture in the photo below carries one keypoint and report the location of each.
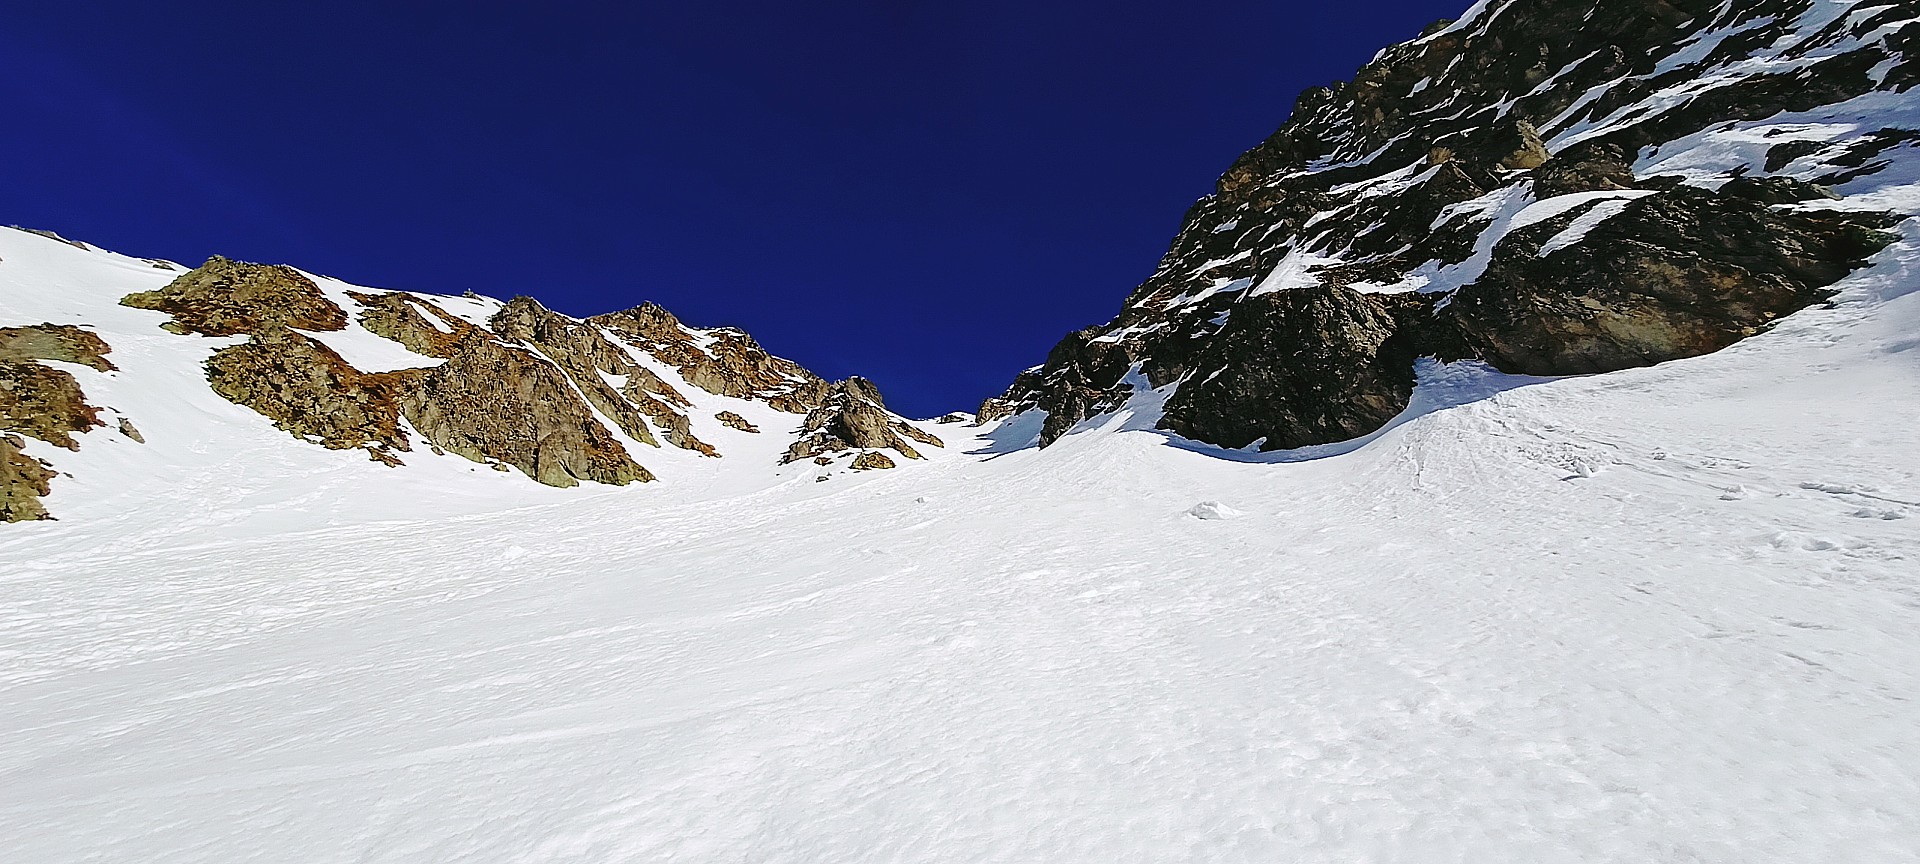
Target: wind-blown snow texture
(1658, 615)
(1665, 614)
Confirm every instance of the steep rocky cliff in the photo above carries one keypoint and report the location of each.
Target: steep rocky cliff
(400, 377)
(1546, 186)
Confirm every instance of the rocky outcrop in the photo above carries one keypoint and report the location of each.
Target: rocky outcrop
(585, 354)
(310, 391)
(61, 342)
(24, 480)
(561, 399)
(1678, 274)
(853, 417)
(422, 327)
(871, 461)
(1472, 194)
(722, 361)
(230, 298)
(501, 404)
(490, 402)
(734, 421)
(40, 401)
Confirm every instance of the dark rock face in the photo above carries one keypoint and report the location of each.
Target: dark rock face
(24, 480)
(310, 391)
(40, 401)
(1677, 274)
(1389, 219)
(1347, 381)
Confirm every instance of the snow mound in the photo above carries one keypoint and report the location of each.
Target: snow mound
(1213, 510)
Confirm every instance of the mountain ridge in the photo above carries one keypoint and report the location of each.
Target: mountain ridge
(1539, 226)
(510, 385)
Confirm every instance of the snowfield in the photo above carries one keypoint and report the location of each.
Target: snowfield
(1669, 614)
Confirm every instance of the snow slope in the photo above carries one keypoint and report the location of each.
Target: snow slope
(1660, 615)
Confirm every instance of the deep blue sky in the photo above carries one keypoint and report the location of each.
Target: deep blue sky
(928, 194)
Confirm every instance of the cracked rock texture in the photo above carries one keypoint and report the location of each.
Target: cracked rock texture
(1543, 187)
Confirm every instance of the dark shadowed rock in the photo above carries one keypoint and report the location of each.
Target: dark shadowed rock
(1299, 367)
(1410, 176)
(1677, 274)
(1592, 167)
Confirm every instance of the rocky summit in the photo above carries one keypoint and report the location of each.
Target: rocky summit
(1547, 187)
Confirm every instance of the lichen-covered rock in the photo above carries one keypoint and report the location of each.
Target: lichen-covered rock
(61, 342)
(1300, 367)
(735, 421)
(722, 361)
(492, 402)
(423, 328)
(23, 482)
(43, 402)
(580, 351)
(871, 461)
(308, 390)
(227, 298)
(1678, 274)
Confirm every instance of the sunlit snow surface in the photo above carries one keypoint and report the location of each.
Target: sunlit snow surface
(1670, 614)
